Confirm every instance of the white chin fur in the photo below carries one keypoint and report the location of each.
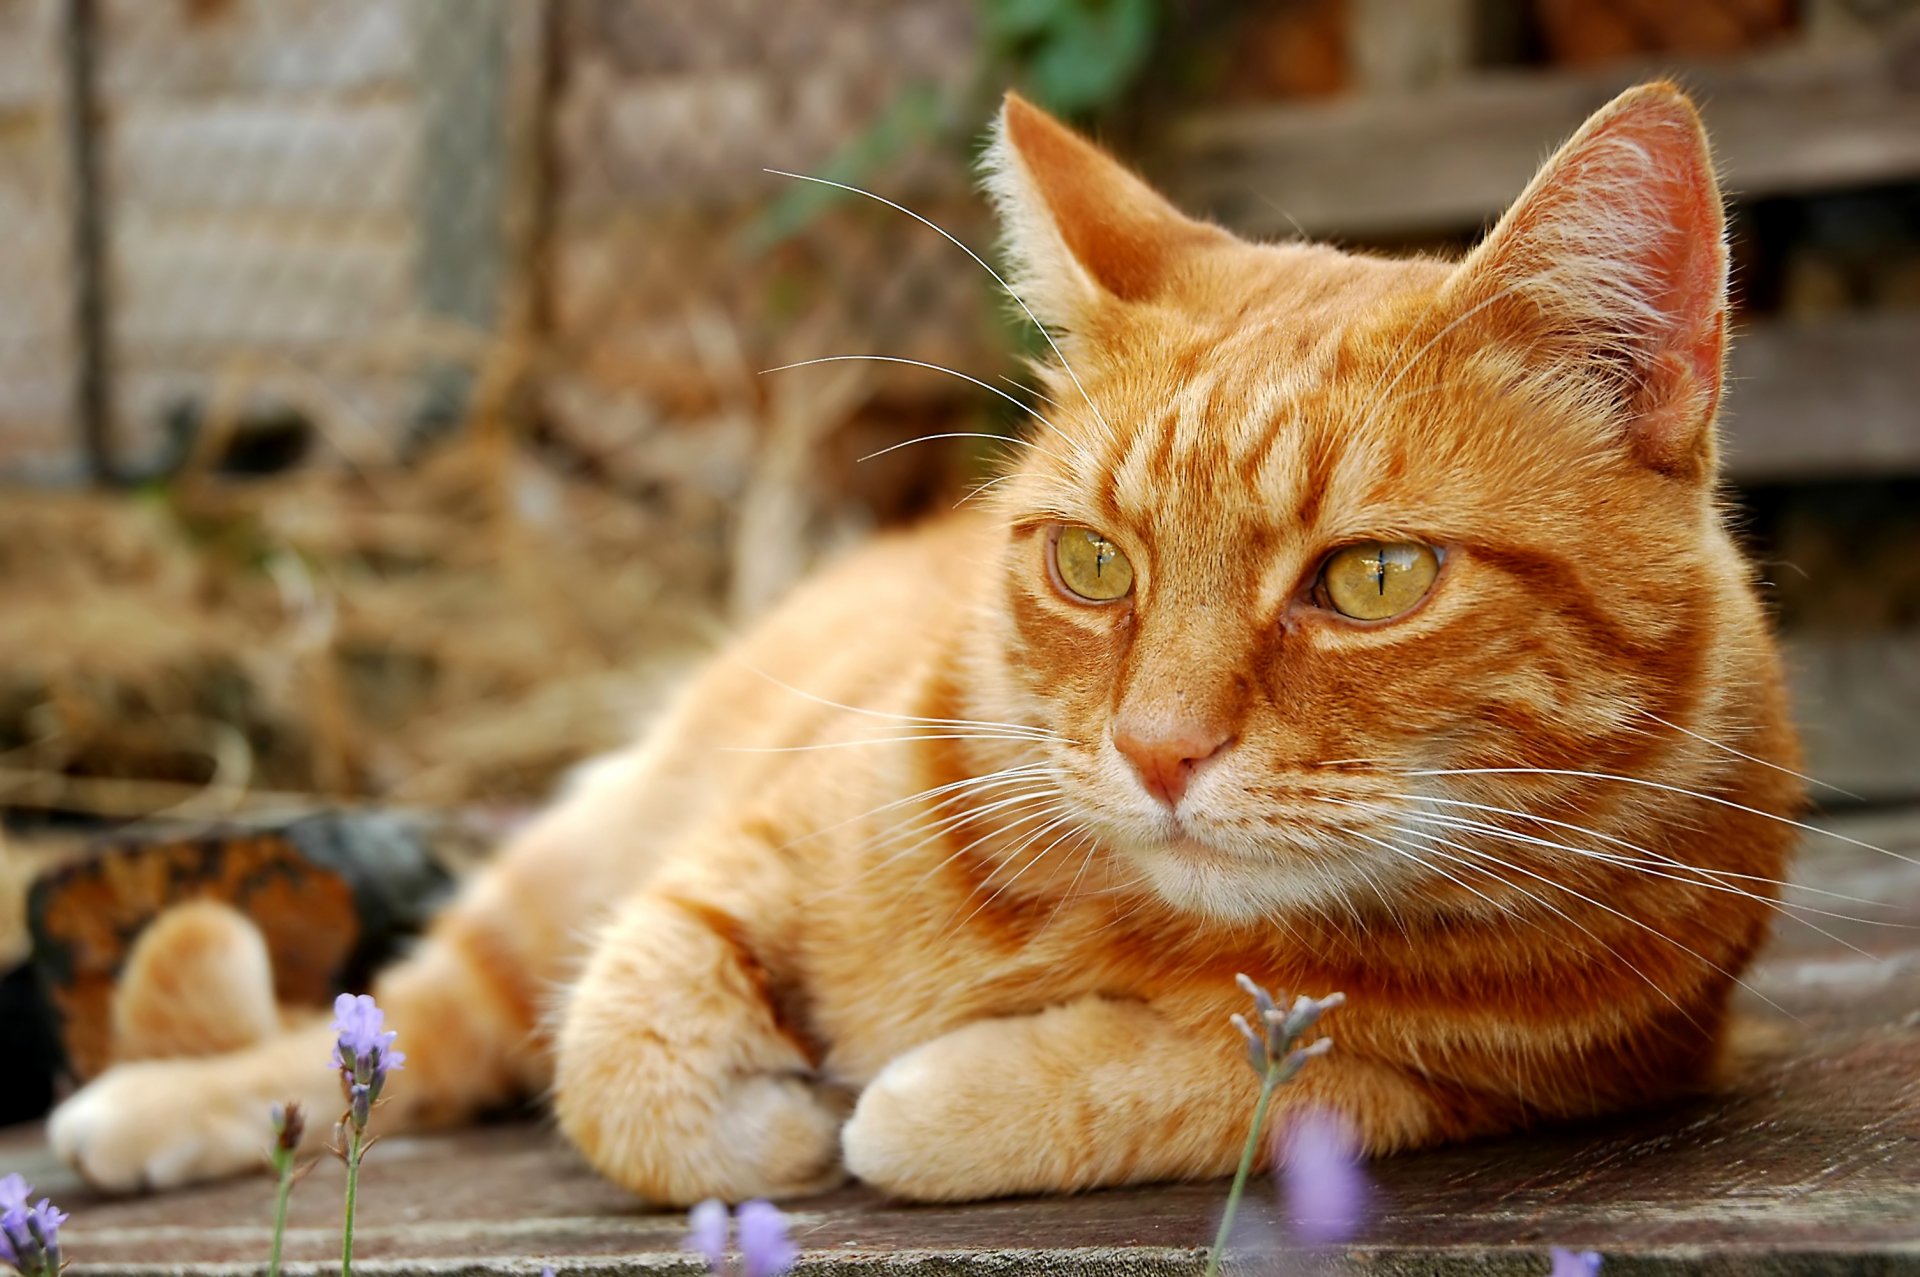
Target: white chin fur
(1229, 892)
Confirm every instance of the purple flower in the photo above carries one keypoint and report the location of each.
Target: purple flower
(708, 1232)
(1320, 1173)
(363, 1052)
(765, 1248)
(1575, 1263)
(29, 1235)
(1273, 1037)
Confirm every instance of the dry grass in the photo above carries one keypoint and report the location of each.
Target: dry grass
(452, 632)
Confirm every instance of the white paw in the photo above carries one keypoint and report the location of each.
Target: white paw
(159, 1124)
(765, 1136)
(890, 1140)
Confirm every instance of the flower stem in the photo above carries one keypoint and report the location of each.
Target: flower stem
(355, 1146)
(283, 1165)
(1268, 1081)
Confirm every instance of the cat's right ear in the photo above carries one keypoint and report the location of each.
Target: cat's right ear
(1082, 233)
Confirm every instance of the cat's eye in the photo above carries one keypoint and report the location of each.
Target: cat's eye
(1091, 566)
(1378, 580)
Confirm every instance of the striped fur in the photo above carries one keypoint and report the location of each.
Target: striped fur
(881, 896)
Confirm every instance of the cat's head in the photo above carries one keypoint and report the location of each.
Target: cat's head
(1301, 529)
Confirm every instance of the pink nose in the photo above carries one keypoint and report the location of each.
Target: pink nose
(1167, 755)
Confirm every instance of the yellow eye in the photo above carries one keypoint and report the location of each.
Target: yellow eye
(1376, 580)
(1090, 565)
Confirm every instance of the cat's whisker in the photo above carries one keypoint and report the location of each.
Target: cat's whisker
(1635, 848)
(870, 740)
(946, 826)
(1784, 908)
(1402, 850)
(975, 795)
(1086, 457)
(1038, 856)
(985, 780)
(1708, 740)
(1032, 390)
(1086, 860)
(1045, 333)
(1482, 853)
(1049, 813)
(944, 434)
(1028, 729)
(1665, 788)
(1550, 907)
(981, 488)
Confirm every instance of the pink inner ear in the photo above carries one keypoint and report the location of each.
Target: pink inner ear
(1679, 388)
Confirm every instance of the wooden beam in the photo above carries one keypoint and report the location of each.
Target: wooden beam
(1832, 400)
(1808, 117)
(463, 179)
(1855, 697)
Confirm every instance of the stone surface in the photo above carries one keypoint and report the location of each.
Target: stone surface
(1806, 1162)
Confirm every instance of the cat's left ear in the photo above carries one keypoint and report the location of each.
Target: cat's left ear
(1613, 264)
(1082, 232)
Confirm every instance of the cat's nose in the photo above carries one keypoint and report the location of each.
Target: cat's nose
(1166, 754)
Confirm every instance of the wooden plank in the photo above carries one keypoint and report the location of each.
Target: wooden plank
(229, 153)
(29, 73)
(1857, 699)
(462, 190)
(286, 47)
(1835, 399)
(1804, 118)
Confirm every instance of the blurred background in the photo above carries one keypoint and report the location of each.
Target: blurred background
(382, 415)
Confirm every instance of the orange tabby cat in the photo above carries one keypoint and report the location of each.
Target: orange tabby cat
(1356, 624)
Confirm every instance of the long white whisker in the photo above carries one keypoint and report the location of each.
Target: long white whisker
(870, 740)
(981, 262)
(1708, 740)
(947, 825)
(1665, 788)
(1048, 813)
(1037, 733)
(986, 780)
(1065, 819)
(1638, 850)
(1783, 908)
(1483, 854)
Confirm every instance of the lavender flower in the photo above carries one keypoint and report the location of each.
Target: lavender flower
(289, 1126)
(708, 1232)
(29, 1235)
(1275, 1053)
(1575, 1263)
(363, 1053)
(1326, 1188)
(765, 1248)
(1275, 1042)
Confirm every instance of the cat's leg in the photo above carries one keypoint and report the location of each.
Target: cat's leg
(197, 981)
(676, 1076)
(467, 1003)
(160, 1123)
(1092, 1093)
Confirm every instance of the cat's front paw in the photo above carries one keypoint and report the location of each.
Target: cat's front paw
(160, 1124)
(762, 1136)
(941, 1123)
